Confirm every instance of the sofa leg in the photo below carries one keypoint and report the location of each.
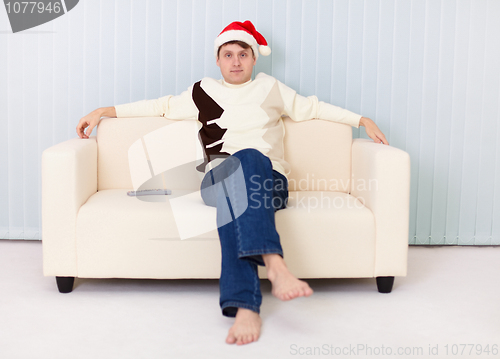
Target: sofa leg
(65, 284)
(384, 284)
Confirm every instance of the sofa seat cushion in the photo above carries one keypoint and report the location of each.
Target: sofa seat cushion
(327, 234)
(138, 237)
(175, 236)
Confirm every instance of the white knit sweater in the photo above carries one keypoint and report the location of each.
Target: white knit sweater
(235, 117)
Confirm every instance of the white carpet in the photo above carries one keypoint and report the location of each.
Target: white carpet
(450, 297)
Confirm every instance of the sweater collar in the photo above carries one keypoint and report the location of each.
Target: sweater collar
(232, 86)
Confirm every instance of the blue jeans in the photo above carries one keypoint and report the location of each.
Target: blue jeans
(246, 192)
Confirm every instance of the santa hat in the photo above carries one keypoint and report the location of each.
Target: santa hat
(243, 31)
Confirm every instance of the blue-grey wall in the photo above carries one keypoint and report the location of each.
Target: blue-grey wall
(426, 71)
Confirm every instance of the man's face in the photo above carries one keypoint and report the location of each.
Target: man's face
(236, 63)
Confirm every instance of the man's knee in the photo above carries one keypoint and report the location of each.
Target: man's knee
(251, 154)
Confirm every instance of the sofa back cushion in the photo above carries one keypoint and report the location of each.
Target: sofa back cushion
(319, 154)
(155, 152)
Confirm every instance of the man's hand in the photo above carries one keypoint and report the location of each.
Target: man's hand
(373, 131)
(92, 120)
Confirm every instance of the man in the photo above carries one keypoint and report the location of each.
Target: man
(242, 136)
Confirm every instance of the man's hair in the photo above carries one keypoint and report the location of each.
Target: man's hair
(237, 42)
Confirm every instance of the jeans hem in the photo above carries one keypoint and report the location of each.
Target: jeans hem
(255, 255)
(229, 309)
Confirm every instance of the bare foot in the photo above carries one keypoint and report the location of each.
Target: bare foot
(285, 285)
(246, 327)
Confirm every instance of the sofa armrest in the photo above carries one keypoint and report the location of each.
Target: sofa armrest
(381, 181)
(69, 178)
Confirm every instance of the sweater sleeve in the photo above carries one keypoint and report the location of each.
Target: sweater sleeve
(300, 108)
(179, 107)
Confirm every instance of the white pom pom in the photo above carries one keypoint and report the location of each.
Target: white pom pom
(264, 50)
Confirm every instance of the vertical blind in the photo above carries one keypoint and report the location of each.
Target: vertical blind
(427, 72)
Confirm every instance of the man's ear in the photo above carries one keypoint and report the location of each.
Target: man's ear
(217, 61)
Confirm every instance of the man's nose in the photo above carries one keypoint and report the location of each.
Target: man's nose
(236, 61)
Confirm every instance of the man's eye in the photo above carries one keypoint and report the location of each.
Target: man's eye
(228, 55)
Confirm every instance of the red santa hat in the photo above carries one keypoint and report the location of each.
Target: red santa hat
(243, 31)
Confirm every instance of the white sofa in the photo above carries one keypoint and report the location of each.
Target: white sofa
(347, 215)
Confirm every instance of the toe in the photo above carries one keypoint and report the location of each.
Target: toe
(231, 339)
(240, 341)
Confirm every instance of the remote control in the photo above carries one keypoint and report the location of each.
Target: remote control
(147, 192)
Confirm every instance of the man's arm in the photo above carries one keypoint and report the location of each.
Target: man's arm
(179, 107)
(372, 130)
(301, 108)
(92, 119)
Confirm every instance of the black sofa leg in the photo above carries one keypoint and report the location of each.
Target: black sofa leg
(65, 284)
(384, 284)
